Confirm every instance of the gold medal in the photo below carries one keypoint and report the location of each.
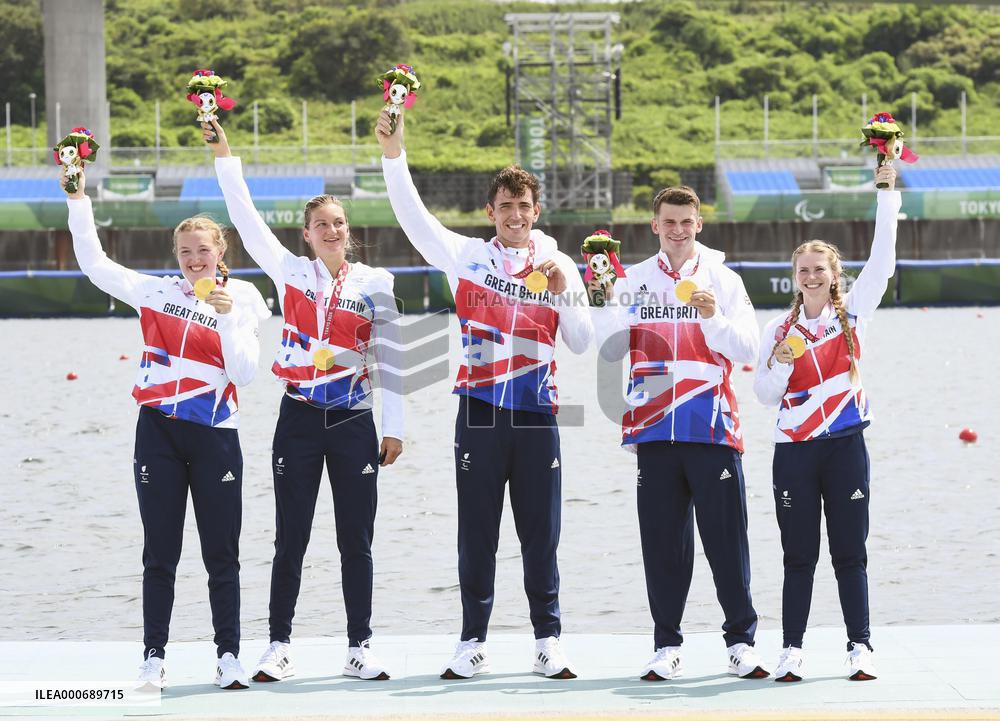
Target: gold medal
(684, 290)
(203, 286)
(536, 281)
(797, 345)
(323, 359)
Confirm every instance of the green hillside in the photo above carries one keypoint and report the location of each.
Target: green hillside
(678, 56)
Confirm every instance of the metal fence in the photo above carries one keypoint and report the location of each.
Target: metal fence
(151, 158)
(850, 148)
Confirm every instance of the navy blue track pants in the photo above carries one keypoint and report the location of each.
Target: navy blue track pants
(674, 480)
(832, 474)
(171, 456)
(494, 446)
(305, 438)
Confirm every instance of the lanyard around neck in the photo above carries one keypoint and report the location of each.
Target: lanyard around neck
(529, 264)
(673, 273)
(338, 286)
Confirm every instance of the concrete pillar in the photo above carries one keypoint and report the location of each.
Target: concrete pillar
(75, 73)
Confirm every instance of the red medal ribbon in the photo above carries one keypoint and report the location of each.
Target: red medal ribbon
(781, 332)
(673, 273)
(805, 332)
(338, 286)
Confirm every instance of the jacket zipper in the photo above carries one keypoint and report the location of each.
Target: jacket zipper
(819, 374)
(180, 361)
(510, 354)
(673, 413)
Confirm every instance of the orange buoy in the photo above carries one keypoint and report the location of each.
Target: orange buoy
(968, 435)
(71, 376)
(747, 368)
(123, 357)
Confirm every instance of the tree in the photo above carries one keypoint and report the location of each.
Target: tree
(208, 9)
(21, 71)
(339, 58)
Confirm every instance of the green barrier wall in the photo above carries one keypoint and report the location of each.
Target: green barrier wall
(844, 205)
(411, 290)
(41, 295)
(439, 295)
(926, 283)
(813, 206)
(168, 213)
(770, 284)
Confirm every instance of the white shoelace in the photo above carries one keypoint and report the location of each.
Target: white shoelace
(273, 653)
(858, 655)
(147, 665)
(550, 646)
(366, 653)
(466, 647)
(788, 653)
(228, 662)
(661, 654)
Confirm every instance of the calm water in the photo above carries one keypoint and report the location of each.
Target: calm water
(71, 543)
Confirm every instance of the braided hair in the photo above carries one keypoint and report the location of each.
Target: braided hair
(845, 324)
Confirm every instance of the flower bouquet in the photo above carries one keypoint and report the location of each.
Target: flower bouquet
(204, 89)
(399, 86)
(600, 253)
(884, 134)
(72, 152)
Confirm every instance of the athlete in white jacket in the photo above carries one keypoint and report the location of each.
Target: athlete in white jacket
(338, 315)
(684, 318)
(810, 369)
(506, 428)
(197, 350)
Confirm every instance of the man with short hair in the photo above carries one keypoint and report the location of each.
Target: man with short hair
(511, 300)
(685, 319)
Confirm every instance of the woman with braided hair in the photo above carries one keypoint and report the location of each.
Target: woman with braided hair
(812, 374)
(199, 343)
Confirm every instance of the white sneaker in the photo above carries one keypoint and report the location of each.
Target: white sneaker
(745, 663)
(665, 665)
(862, 663)
(229, 674)
(469, 660)
(550, 661)
(275, 664)
(789, 665)
(152, 676)
(364, 664)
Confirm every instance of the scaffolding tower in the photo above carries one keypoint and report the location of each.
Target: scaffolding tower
(565, 74)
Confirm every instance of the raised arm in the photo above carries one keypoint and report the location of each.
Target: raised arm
(114, 279)
(872, 281)
(439, 246)
(258, 239)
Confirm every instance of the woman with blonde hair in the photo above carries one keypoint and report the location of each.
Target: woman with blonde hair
(337, 317)
(200, 342)
(812, 374)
